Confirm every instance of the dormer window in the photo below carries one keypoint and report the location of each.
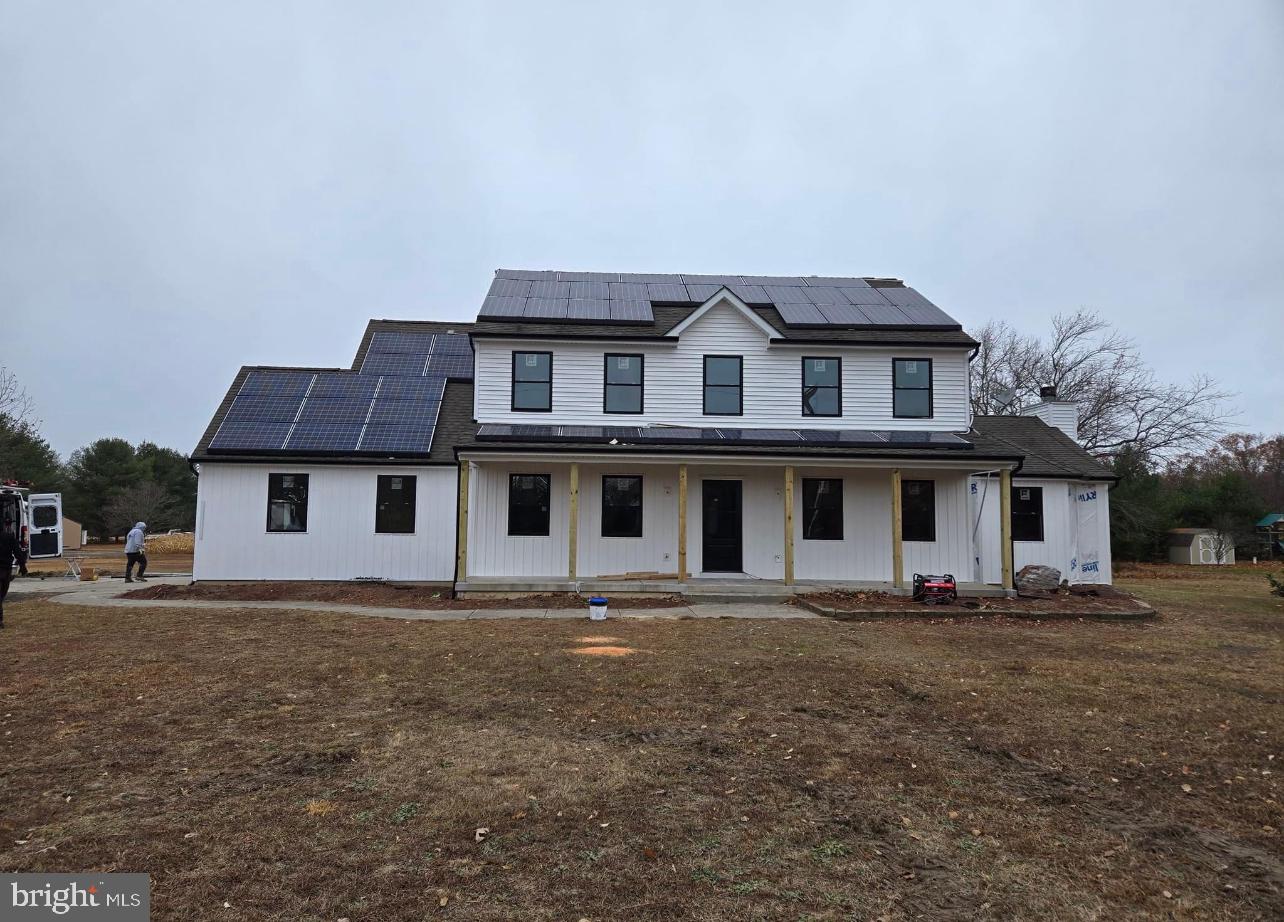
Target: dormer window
(723, 385)
(622, 384)
(912, 388)
(533, 382)
(822, 382)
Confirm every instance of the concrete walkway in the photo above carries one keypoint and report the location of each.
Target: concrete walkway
(107, 592)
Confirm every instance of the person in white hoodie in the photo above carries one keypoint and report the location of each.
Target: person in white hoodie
(135, 552)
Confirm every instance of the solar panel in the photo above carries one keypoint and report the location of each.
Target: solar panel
(277, 383)
(503, 307)
(916, 307)
(510, 288)
(635, 291)
(589, 309)
(401, 342)
(403, 413)
(866, 295)
(791, 281)
(254, 408)
(591, 290)
(785, 295)
(819, 295)
(547, 308)
(452, 342)
(339, 384)
(843, 314)
(667, 292)
(550, 290)
(326, 435)
(884, 314)
(802, 314)
(450, 365)
(409, 363)
(750, 294)
(631, 311)
(701, 293)
(250, 436)
(398, 439)
(718, 281)
(530, 274)
(335, 410)
(411, 389)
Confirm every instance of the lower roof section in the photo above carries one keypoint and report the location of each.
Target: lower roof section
(706, 437)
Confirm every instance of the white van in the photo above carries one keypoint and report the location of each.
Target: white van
(35, 519)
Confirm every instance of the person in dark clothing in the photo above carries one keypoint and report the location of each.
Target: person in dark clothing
(136, 552)
(10, 553)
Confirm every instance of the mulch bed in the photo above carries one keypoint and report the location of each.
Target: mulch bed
(379, 595)
(1098, 601)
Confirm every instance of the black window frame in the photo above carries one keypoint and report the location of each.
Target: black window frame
(704, 390)
(384, 482)
(808, 508)
(276, 486)
(547, 510)
(637, 531)
(931, 520)
(512, 399)
(641, 385)
(1027, 515)
(836, 388)
(931, 389)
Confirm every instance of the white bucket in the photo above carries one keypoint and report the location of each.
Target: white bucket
(597, 609)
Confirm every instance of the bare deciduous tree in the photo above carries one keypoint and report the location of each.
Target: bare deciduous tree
(15, 402)
(143, 502)
(1122, 403)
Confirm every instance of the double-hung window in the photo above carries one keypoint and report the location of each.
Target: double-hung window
(622, 383)
(533, 382)
(723, 385)
(822, 509)
(287, 508)
(528, 503)
(822, 383)
(621, 507)
(912, 388)
(395, 505)
(1027, 513)
(918, 510)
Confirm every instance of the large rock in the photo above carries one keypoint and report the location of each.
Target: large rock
(1038, 578)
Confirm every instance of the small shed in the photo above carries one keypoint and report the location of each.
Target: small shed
(1200, 546)
(73, 534)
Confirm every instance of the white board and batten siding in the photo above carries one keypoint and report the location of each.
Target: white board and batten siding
(674, 376)
(233, 543)
(864, 553)
(1073, 541)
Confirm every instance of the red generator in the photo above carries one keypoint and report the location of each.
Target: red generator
(935, 590)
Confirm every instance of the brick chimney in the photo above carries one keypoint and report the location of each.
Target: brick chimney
(1060, 414)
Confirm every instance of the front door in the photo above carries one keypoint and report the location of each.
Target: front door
(722, 550)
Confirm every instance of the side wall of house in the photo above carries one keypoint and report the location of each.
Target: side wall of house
(232, 541)
(1062, 534)
(674, 377)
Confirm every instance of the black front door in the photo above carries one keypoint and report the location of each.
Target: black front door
(722, 546)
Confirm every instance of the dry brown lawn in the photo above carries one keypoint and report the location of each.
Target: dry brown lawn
(282, 765)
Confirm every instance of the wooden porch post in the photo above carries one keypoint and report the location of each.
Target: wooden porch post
(573, 535)
(789, 525)
(682, 523)
(1005, 525)
(461, 531)
(898, 550)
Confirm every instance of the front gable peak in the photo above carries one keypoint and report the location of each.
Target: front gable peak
(724, 296)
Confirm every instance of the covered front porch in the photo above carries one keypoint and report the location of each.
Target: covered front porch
(716, 527)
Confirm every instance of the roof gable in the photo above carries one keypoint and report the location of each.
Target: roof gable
(724, 296)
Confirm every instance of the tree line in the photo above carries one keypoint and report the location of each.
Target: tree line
(107, 485)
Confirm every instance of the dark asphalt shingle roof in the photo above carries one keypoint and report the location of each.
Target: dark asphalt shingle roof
(1048, 451)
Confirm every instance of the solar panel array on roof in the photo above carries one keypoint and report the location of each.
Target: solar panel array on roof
(688, 435)
(333, 411)
(627, 297)
(424, 354)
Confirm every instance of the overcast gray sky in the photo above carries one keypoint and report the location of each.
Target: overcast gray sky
(189, 187)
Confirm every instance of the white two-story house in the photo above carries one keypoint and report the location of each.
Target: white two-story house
(629, 432)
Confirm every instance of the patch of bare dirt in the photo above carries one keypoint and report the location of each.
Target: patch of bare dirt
(1063, 603)
(380, 595)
